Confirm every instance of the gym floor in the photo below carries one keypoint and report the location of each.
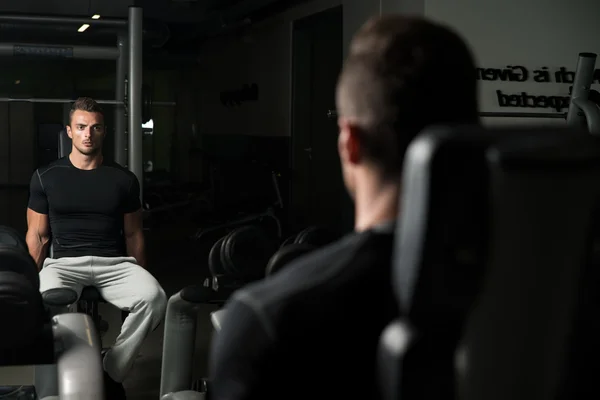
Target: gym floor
(175, 266)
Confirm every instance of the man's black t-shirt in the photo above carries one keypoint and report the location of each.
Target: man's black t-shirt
(85, 207)
(312, 330)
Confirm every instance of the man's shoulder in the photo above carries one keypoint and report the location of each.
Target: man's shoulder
(55, 165)
(118, 169)
(320, 274)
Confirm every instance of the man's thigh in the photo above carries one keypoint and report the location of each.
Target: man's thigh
(124, 283)
(70, 273)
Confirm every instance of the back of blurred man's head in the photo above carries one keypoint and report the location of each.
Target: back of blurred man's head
(401, 75)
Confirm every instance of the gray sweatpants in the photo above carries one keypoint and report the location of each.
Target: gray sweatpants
(122, 283)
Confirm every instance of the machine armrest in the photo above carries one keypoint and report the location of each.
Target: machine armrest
(79, 364)
(216, 317)
(180, 336)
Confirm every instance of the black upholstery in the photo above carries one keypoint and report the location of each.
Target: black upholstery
(286, 255)
(246, 251)
(64, 144)
(90, 293)
(21, 304)
(493, 239)
(214, 259)
(10, 237)
(316, 236)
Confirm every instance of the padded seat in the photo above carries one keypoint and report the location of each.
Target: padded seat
(91, 293)
(66, 297)
(59, 297)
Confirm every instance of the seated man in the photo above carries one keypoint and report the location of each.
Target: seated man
(312, 330)
(91, 208)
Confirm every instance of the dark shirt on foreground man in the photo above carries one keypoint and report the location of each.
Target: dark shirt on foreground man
(316, 323)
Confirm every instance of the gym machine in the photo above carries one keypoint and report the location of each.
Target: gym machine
(68, 367)
(64, 350)
(584, 105)
(494, 255)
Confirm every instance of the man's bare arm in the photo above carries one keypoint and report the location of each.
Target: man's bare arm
(134, 236)
(38, 236)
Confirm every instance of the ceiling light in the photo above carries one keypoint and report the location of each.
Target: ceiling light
(96, 16)
(83, 27)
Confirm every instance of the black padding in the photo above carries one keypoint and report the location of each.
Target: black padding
(246, 252)
(316, 236)
(197, 294)
(38, 351)
(288, 240)
(286, 255)
(59, 297)
(90, 293)
(10, 237)
(214, 259)
(19, 261)
(594, 97)
(64, 144)
(21, 310)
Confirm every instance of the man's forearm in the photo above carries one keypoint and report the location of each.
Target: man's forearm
(38, 248)
(136, 248)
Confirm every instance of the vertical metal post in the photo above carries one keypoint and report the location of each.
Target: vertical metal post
(135, 94)
(120, 120)
(584, 76)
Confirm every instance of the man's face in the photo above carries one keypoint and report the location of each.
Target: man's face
(87, 132)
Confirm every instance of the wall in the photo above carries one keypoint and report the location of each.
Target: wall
(533, 34)
(261, 56)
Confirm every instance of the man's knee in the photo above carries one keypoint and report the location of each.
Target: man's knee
(156, 301)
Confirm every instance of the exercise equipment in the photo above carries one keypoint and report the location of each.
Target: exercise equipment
(10, 237)
(316, 236)
(62, 347)
(19, 291)
(282, 258)
(270, 215)
(583, 111)
(494, 225)
(583, 107)
(179, 343)
(286, 255)
(245, 251)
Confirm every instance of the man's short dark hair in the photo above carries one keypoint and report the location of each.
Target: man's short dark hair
(85, 104)
(403, 74)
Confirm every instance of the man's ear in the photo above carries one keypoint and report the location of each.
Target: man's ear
(349, 144)
(69, 133)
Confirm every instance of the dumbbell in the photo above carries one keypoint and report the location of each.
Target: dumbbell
(314, 235)
(240, 256)
(285, 255)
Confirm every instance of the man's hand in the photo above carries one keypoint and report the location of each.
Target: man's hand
(38, 236)
(134, 236)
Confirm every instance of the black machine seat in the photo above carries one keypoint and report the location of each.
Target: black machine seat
(64, 144)
(494, 224)
(91, 293)
(65, 297)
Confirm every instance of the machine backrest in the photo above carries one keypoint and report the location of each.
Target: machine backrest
(64, 144)
(493, 244)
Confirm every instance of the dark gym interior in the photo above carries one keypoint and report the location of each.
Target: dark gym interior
(213, 163)
(196, 177)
